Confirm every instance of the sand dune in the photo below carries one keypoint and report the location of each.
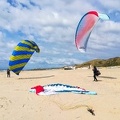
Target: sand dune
(17, 103)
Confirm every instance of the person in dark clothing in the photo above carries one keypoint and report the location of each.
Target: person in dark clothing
(8, 73)
(95, 71)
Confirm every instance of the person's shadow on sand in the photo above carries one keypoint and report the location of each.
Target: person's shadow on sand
(107, 77)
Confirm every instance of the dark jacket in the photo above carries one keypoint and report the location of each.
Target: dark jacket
(96, 71)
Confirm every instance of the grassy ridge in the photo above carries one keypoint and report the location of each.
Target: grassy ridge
(101, 62)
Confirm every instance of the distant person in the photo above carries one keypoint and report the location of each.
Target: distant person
(8, 73)
(95, 73)
(89, 66)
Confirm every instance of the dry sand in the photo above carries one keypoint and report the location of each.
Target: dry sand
(17, 103)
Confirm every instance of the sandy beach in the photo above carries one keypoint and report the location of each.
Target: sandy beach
(17, 103)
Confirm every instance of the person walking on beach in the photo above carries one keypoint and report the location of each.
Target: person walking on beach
(95, 73)
(8, 73)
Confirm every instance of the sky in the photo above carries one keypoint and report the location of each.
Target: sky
(52, 25)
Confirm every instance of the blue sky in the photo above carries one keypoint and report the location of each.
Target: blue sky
(52, 25)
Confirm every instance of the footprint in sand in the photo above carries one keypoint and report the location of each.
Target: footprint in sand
(4, 103)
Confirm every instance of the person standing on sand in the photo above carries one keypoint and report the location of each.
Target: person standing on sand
(8, 73)
(95, 73)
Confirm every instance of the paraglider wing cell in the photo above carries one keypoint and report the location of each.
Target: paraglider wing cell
(85, 27)
(21, 55)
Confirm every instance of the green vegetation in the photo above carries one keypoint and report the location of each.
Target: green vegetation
(101, 62)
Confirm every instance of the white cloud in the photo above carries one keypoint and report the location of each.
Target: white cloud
(111, 26)
(1, 36)
(114, 4)
(53, 24)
